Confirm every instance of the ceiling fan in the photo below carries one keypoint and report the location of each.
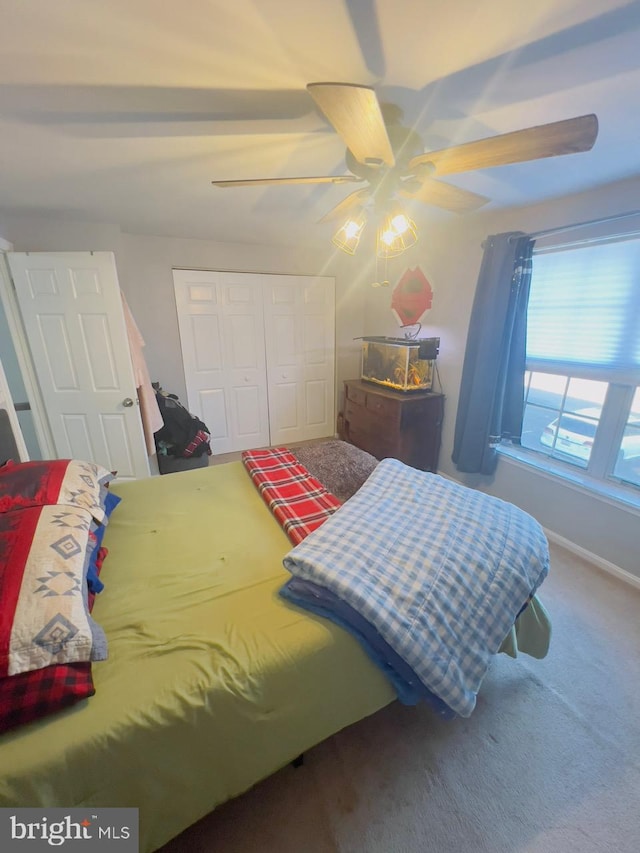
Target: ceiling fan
(390, 158)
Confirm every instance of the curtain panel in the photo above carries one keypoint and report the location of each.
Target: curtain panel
(491, 402)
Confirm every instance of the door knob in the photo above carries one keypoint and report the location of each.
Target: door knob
(127, 402)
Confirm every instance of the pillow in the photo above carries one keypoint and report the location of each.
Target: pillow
(68, 482)
(30, 696)
(44, 560)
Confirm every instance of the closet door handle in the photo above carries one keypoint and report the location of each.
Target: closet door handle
(127, 402)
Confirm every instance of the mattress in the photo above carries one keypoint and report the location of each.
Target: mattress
(213, 681)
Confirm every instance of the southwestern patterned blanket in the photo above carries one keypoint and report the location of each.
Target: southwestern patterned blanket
(45, 612)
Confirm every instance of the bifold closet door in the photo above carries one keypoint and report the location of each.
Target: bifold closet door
(259, 355)
(221, 323)
(299, 314)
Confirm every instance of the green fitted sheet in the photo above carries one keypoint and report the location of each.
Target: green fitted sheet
(212, 683)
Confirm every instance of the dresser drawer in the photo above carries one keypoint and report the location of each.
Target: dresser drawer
(373, 422)
(376, 445)
(357, 395)
(384, 407)
(424, 407)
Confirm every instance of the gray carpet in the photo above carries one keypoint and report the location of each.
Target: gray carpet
(549, 762)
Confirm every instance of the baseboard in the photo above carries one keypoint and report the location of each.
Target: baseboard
(599, 562)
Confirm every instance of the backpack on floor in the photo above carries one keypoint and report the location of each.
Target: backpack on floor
(183, 434)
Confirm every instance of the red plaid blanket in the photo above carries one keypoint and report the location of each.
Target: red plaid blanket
(299, 502)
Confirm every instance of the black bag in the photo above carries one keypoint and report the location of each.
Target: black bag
(183, 434)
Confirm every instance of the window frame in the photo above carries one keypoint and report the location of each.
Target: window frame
(597, 476)
(615, 413)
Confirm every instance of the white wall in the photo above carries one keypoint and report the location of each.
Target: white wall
(450, 256)
(54, 233)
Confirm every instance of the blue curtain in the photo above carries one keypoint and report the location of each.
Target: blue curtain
(492, 388)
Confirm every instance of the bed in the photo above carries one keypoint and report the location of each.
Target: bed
(212, 680)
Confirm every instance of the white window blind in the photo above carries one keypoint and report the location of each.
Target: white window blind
(584, 307)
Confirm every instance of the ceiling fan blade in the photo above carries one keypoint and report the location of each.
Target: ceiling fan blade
(447, 196)
(546, 140)
(354, 112)
(257, 182)
(347, 205)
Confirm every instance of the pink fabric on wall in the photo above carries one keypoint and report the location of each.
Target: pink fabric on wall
(149, 411)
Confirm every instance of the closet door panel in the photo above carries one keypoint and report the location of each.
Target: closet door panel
(222, 337)
(284, 408)
(246, 405)
(206, 342)
(213, 406)
(300, 342)
(317, 395)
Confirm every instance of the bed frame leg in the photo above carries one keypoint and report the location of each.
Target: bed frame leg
(299, 761)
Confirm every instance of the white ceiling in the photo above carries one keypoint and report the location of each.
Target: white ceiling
(123, 111)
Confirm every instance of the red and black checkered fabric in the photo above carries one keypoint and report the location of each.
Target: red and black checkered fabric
(298, 501)
(29, 696)
(199, 440)
(101, 556)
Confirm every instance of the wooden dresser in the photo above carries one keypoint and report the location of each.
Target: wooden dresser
(406, 426)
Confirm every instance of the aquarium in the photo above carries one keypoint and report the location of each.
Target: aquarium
(404, 365)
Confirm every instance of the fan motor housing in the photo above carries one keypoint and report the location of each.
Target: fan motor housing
(405, 144)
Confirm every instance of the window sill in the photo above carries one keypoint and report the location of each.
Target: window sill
(610, 493)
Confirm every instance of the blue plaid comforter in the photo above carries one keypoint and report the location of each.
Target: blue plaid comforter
(439, 570)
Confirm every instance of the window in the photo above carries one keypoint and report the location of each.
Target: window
(627, 467)
(582, 392)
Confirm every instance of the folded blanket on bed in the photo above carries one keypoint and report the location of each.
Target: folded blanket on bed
(530, 634)
(299, 502)
(321, 601)
(439, 570)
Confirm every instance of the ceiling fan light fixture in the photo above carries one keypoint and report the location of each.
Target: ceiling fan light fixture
(400, 223)
(348, 235)
(396, 234)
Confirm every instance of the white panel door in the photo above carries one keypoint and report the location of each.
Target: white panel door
(300, 342)
(221, 325)
(72, 312)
